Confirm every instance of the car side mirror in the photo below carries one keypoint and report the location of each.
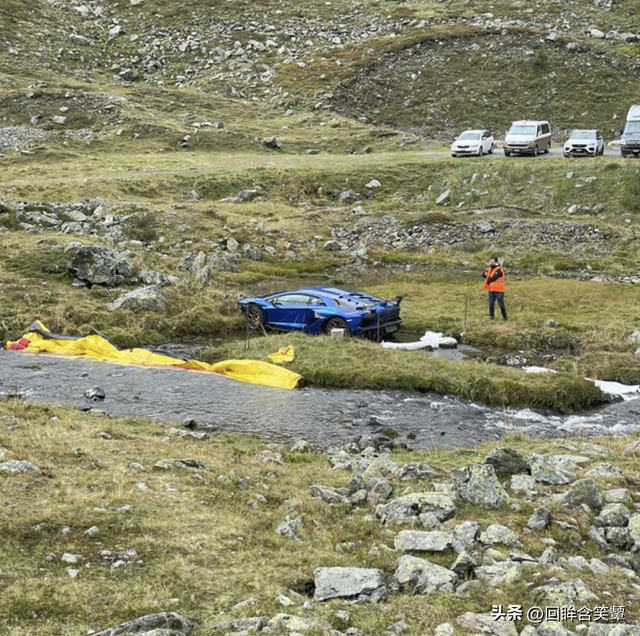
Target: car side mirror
(622, 131)
(455, 139)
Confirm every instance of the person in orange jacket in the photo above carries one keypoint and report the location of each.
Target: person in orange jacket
(494, 278)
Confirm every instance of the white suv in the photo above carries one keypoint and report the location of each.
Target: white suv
(584, 143)
(473, 142)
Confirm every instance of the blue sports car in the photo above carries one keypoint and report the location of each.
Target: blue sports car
(318, 310)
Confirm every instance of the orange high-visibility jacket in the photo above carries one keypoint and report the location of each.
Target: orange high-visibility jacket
(496, 285)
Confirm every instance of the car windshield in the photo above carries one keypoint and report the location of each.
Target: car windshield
(632, 127)
(583, 134)
(470, 135)
(520, 129)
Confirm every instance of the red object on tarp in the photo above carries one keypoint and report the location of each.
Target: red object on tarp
(23, 343)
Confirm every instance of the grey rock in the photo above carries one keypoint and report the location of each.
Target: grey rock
(604, 470)
(540, 519)
(500, 573)
(272, 142)
(566, 593)
(463, 565)
(634, 530)
(150, 298)
(444, 198)
(615, 514)
(545, 471)
(379, 490)
(422, 576)
(296, 624)
(466, 536)
(329, 495)
(348, 196)
(549, 556)
(413, 540)
(247, 625)
(339, 582)
(619, 537)
(478, 484)
(497, 534)
(485, 624)
(100, 266)
(418, 471)
(15, 467)
(398, 628)
(171, 623)
(597, 535)
(507, 461)
(290, 528)
(618, 495)
(583, 491)
(406, 510)
(552, 629)
(523, 483)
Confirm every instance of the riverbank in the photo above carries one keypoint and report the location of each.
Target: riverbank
(114, 519)
(359, 364)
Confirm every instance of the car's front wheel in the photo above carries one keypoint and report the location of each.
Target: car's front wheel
(255, 317)
(336, 323)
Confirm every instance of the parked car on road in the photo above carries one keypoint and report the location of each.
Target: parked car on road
(318, 310)
(528, 138)
(584, 143)
(630, 143)
(473, 142)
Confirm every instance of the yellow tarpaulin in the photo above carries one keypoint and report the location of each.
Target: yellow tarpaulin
(95, 347)
(281, 356)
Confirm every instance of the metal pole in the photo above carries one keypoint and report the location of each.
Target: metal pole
(466, 308)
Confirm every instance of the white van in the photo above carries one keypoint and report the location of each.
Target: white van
(528, 138)
(630, 142)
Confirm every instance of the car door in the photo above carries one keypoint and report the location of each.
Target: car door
(289, 312)
(486, 141)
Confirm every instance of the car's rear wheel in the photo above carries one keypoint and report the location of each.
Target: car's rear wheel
(507, 153)
(255, 317)
(336, 323)
(491, 149)
(548, 150)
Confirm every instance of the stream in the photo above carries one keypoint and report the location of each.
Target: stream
(323, 417)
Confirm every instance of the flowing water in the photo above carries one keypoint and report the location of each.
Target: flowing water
(323, 417)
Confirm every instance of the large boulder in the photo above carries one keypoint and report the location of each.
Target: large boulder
(583, 491)
(573, 592)
(634, 530)
(507, 461)
(497, 534)
(96, 265)
(150, 298)
(406, 510)
(613, 515)
(422, 576)
(546, 471)
(341, 582)
(500, 573)
(479, 485)
(465, 536)
(413, 540)
(166, 623)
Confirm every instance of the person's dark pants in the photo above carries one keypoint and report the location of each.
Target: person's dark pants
(499, 296)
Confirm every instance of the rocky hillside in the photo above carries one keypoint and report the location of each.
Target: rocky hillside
(128, 527)
(426, 67)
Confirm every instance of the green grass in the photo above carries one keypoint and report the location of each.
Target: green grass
(200, 548)
(353, 363)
